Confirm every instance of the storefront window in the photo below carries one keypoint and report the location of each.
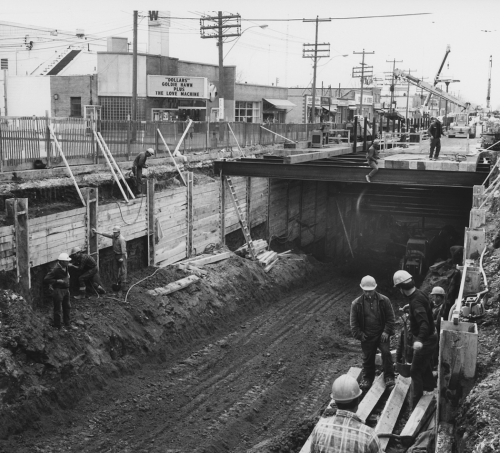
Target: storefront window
(248, 112)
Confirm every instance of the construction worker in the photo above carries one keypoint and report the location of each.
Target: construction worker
(372, 157)
(372, 322)
(138, 165)
(87, 268)
(344, 432)
(440, 309)
(424, 335)
(120, 252)
(58, 281)
(435, 132)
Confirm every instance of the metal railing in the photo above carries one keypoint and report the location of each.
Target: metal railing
(25, 140)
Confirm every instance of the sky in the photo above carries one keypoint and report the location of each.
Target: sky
(273, 55)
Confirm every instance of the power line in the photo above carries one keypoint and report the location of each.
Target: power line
(343, 18)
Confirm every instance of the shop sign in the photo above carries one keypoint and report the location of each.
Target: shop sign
(367, 100)
(320, 100)
(177, 87)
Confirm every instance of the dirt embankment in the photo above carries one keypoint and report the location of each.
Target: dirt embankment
(46, 373)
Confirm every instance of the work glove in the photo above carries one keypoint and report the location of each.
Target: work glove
(417, 345)
(385, 337)
(94, 231)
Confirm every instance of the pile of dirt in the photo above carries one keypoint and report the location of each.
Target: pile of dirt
(44, 370)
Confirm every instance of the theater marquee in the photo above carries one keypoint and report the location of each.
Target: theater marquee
(177, 87)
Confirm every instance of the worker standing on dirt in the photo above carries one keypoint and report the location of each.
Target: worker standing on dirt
(344, 432)
(424, 335)
(120, 252)
(58, 281)
(138, 165)
(373, 322)
(372, 157)
(88, 272)
(435, 132)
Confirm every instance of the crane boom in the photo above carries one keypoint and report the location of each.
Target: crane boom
(436, 79)
(429, 88)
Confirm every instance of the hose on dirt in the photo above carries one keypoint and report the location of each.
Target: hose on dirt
(136, 283)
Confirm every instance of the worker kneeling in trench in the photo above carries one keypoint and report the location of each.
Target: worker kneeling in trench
(344, 432)
(89, 273)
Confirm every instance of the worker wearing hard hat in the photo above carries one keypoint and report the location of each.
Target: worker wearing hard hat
(87, 268)
(372, 322)
(58, 281)
(120, 252)
(424, 335)
(344, 432)
(435, 132)
(137, 166)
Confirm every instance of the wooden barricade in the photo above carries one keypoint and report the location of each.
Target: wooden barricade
(7, 248)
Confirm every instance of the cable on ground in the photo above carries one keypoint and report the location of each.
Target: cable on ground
(136, 283)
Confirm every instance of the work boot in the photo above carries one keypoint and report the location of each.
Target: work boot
(389, 382)
(365, 384)
(368, 178)
(101, 290)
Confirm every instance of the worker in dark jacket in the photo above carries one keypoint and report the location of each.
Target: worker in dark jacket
(139, 164)
(435, 133)
(372, 322)
(58, 281)
(120, 252)
(372, 157)
(88, 271)
(424, 335)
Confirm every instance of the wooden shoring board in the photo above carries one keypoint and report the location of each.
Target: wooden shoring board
(174, 286)
(355, 372)
(420, 416)
(21, 225)
(150, 220)
(474, 242)
(92, 200)
(392, 408)
(54, 218)
(211, 259)
(324, 154)
(477, 218)
(371, 398)
(189, 213)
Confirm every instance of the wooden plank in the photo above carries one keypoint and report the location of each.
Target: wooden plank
(420, 415)
(355, 372)
(477, 218)
(6, 231)
(371, 398)
(474, 243)
(189, 213)
(174, 286)
(317, 155)
(392, 408)
(92, 201)
(212, 259)
(170, 192)
(68, 229)
(177, 251)
(53, 218)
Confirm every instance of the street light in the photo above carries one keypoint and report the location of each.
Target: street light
(236, 40)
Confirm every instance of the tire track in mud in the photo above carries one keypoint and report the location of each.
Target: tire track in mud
(271, 371)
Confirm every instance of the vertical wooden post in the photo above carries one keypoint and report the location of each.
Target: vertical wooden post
(222, 208)
(21, 228)
(129, 137)
(189, 213)
(477, 218)
(301, 198)
(1, 151)
(157, 143)
(90, 195)
(48, 141)
(249, 200)
(477, 196)
(150, 213)
(268, 223)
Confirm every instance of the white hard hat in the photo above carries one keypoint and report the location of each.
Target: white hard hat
(438, 290)
(401, 277)
(150, 151)
(368, 283)
(64, 257)
(116, 228)
(345, 389)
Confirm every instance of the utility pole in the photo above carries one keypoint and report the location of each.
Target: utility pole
(306, 53)
(489, 85)
(369, 70)
(134, 80)
(408, 100)
(392, 81)
(222, 25)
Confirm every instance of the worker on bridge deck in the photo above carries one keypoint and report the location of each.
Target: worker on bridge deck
(373, 323)
(88, 271)
(424, 335)
(344, 432)
(435, 132)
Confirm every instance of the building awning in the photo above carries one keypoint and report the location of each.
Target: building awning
(280, 104)
(332, 108)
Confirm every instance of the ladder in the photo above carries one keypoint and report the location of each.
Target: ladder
(243, 223)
